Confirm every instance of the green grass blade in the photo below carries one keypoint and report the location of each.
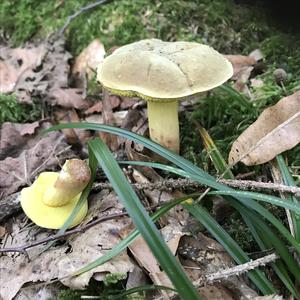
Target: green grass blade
(288, 180)
(142, 220)
(261, 197)
(252, 205)
(129, 239)
(270, 240)
(239, 97)
(230, 246)
(214, 154)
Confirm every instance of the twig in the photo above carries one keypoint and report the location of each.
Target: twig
(237, 270)
(8, 208)
(79, 12)
(171, 184)
(23, 248)
(254, 185)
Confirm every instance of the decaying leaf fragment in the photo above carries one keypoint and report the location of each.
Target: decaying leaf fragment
(62, 260)
(276, 130)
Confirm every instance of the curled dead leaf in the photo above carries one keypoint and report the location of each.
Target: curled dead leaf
(276, 130)
(89, 59)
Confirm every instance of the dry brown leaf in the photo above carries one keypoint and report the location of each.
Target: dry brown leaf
(89, 59)
(145, 258)
(63, 260)
(243, 65)
(2, 232)
(69, 98)
(276, 130)
(42, 72)
(74, 136)
(25, 156)
(15, 63)
(96, 108)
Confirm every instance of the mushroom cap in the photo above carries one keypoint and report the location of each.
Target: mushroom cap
(42, 214)
(157, 70)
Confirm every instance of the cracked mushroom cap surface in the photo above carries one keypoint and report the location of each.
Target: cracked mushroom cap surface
(155, 70)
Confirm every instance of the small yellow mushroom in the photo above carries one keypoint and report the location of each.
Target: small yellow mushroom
(49, 201)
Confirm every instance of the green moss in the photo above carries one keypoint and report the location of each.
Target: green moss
(223, 24)
(113, 278)
(12, 111)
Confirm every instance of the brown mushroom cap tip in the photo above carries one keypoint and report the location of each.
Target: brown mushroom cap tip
(157, 70)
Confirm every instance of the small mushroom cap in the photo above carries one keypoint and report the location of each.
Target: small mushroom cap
(47, 216)
(153, 69)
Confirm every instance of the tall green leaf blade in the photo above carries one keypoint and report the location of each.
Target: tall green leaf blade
(288, 180)
(82, 200)
(129, 239)
(252, 205)
(230, 246)
(142, 220)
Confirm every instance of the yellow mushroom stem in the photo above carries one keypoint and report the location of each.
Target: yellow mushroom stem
(163, 123)
(72, 179)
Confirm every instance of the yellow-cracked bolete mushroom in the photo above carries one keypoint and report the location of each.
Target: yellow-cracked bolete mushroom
(163, 73)
(49, 201)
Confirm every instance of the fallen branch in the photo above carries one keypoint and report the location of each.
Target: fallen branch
(173, 184)
(9, 206)
(79, 12)
(254, 185)
(240, 269)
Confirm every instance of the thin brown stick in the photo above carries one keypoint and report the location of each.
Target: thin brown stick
(23, 248)
(243, 268)
(268, 186)
(79, 12)
(171, 184)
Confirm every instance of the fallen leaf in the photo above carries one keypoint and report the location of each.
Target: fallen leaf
(127, 102)
(276, 130)
(25, 156)
(74, 136)
(119, 117)
(2, 232)
(69, 98)
(16, 62)
(96, 108)
(243, 66)
(89, 59)
(146, 259)
(206, 256)
(240, 63)
(41, 72)
(62, 260)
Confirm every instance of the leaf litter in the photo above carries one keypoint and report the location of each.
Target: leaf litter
(62, 260)
(276, 130)
(46, 76)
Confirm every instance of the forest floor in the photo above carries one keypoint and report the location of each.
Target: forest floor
(258, 42)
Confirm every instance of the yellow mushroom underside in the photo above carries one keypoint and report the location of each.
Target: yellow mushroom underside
(44, 215)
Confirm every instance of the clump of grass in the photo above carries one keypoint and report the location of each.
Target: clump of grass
(12, 111)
